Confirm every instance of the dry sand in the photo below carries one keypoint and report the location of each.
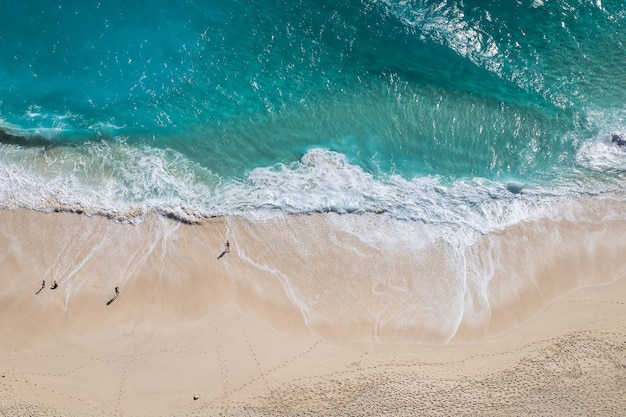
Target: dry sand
(191, 335)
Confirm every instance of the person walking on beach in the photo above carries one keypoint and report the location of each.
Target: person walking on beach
(117, 294)
(226, 250)
(54, 285)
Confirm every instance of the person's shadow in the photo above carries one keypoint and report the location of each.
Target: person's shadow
(43, 285)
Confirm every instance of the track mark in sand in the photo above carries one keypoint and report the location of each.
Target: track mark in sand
(224, 404)
(5, 380)
(591, 301)
(279, 366)
(223, 366)
(357, 368)
(11, 405)
(125, 371)
(182, 349)
(223, 369)
(10, 379)
(580, 373)
(252, 352)
(294, 358)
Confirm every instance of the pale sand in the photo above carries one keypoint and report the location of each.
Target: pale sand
(241, 334)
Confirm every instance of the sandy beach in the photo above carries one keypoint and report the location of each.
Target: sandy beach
(270, 329)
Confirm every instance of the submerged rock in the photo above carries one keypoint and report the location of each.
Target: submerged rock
(618, 139)
(515, 188)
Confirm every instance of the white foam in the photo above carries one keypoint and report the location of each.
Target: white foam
(446, 24)
(118, 179)
(601, 154)
(100, 177)
(324, 181)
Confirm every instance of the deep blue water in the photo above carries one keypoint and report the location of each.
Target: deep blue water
(458, 112)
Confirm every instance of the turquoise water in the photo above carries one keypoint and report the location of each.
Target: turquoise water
(465, 113)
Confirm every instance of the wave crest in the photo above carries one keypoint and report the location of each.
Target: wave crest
(604, 153)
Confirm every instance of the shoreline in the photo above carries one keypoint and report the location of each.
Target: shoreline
(253, 334)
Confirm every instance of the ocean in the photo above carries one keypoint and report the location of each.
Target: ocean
(429, 110)
(466, 117)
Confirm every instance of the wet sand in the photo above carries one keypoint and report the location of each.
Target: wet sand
(278, 329)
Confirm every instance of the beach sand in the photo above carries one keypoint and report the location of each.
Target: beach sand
(303, 317)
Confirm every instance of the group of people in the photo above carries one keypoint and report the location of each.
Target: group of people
(43, 285)
(117, 289)
(55, 285)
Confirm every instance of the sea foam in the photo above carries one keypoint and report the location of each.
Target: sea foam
(124, 182)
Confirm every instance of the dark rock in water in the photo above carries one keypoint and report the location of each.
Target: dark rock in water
(618, 139)
(10, 139)
(6, 137)
(515, 188)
